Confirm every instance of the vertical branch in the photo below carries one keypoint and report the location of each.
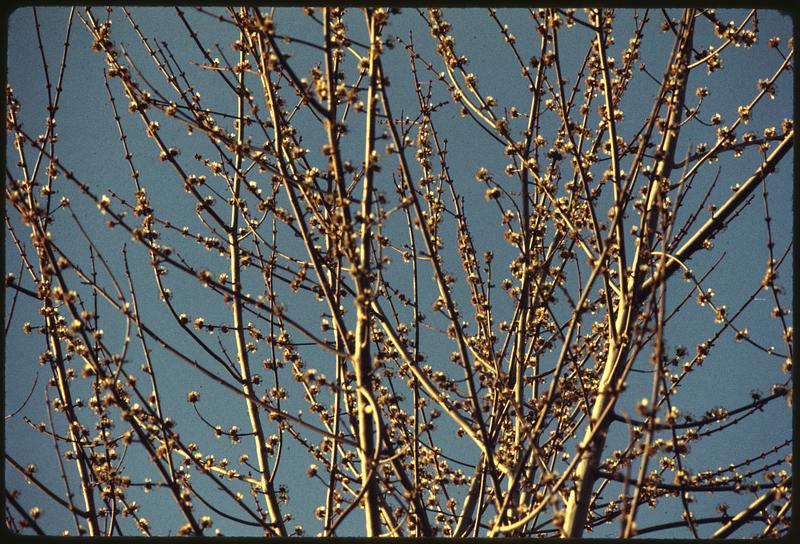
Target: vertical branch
(61, 470)
(613, 371)
(629, 526)
(362, 273)
(482, 436)
(148, 363)
(610, 119)
(238, 325)
(333, 133)
(46, 269)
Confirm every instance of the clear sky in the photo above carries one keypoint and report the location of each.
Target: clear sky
(89, 144)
